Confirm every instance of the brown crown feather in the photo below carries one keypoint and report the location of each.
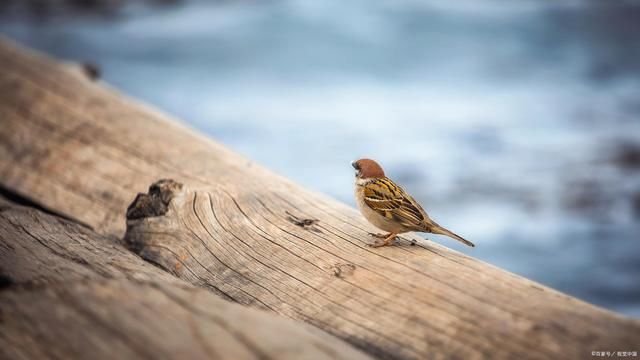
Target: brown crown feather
(369, 169)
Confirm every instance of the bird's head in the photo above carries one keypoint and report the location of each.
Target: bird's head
(367, 169)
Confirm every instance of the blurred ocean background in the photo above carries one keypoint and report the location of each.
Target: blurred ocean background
(516, 124)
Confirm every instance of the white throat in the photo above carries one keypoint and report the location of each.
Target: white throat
(362, 182)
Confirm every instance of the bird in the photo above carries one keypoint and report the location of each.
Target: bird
(388, 207)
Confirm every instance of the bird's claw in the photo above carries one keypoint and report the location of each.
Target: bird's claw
(388, 240)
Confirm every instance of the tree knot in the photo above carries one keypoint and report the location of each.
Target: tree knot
(156, 201)
(302, 222)
(343, 270)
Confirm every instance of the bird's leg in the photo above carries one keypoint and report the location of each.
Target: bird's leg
(378, 235)
(387, 241)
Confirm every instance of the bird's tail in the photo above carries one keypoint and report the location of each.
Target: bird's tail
(437, 229)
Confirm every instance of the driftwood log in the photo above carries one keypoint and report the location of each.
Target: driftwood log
(71, 293)
(234, 228)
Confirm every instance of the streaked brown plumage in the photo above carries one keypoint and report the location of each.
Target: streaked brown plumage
(388, 207)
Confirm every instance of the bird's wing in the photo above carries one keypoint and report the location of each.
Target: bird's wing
(389, 200)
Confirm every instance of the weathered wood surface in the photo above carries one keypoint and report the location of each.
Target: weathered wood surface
(69, 293)
(79, 148)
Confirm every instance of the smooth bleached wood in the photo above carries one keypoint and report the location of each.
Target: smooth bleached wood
(237, 229)
(69, 293)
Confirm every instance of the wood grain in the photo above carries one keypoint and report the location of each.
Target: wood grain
(241, 231)
(69, 293)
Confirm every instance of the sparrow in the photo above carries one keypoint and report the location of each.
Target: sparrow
(388, 207)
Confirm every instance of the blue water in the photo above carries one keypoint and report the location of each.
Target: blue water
(515, 124)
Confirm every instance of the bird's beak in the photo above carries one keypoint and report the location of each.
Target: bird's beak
(353, 164)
